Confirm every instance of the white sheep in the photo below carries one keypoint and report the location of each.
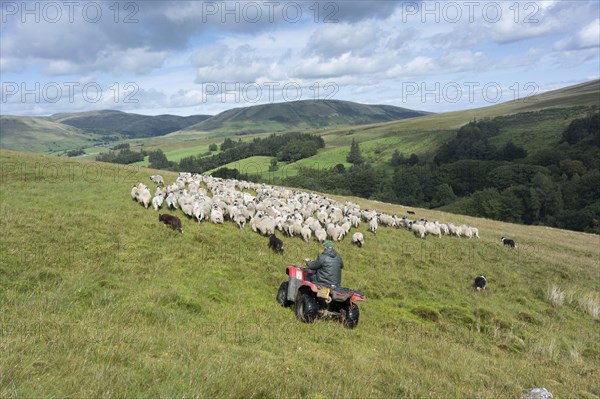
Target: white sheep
(144, 196)
(306, 233)
(443, 227)
(320, 235)
(373, 225)
(158, 180)
(346, 226)
(387, 220)
(466, 231)
(455, 231)
(418, 230)
(239, 219)
(201, 210)
(266, 226)
(358, 238)
(475, 231)
(171, 201)
(157, 201)
(335, 232)
(216, 215)
(433, 229)
(134, 193)
(187, 208)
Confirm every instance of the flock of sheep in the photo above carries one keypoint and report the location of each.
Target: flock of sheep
(292, 212)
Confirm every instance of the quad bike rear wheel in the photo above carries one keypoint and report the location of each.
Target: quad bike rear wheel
(282, 295)
(306, 308)
(350, 315)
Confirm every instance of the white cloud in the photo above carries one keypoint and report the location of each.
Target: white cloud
(345, 64)
(336, 39)
(587, 37)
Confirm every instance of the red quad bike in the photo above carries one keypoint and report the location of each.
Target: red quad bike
(313, 299)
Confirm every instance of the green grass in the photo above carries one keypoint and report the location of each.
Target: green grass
(23, 133)
(97, 299)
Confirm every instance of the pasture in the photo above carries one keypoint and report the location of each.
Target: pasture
(98, 299)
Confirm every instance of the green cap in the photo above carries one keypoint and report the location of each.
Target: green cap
(328, 244)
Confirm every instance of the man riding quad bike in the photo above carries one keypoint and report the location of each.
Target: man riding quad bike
(316, 290)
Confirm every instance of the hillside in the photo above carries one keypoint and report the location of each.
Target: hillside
(23, 133)
(540, 121)
(581, 95)
(300, 115)
(99, 300)
(128, 124)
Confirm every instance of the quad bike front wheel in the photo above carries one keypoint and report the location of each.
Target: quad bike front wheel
(306, 308)
(350, 315)
(282, 295)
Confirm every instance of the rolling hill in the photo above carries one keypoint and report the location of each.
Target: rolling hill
(582, 95)
(300, 115)
(534, 123)
(128, 124)
(97, 299)
(23, 133)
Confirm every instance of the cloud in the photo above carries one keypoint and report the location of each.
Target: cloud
(243, 64)
(337, 39)
(212, 55)
(344, 65)
(587, 37)
(533, 56)
(451, 62)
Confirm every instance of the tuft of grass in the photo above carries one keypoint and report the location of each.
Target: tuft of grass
(590, 304)
(556, 296)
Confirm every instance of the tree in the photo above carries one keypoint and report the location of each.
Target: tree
(273, 166)
(227, 143)
(414, 159)
(158, 160)
(511, 152)
(363, 180)
(339, 168)
(546, 197)
(487, 203)
(296, 149)
(572, 167)
(397, 158)
(75, 153)
(354, 156)
(443, 195)
(213, 147)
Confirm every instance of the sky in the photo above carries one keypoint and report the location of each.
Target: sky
(205, 57)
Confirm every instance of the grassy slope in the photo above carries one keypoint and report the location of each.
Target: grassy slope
(299, 115)
(99, 300)
(129, 124)
(22, 133)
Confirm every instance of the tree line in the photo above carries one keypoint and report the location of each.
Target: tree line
(289, 147)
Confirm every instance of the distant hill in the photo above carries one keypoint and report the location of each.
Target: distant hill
(300, 115)
(127, 124)
(67, 131)
(24, 133)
